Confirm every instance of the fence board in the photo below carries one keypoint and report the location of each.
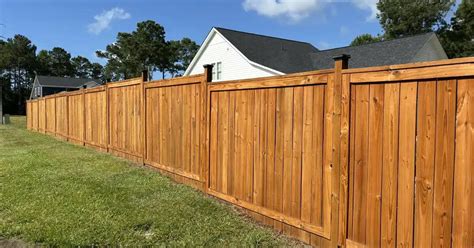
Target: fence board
(125, 119)
(95, 118)
(463, 213)
(426, 124)
(76, 117)
(50, 109)
(259, 135)
(42, 115)
(444, 162)
(406, 166)
(62, 116)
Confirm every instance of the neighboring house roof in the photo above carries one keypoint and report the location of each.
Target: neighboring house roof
(390, 52)
(283, 55)
(289, 56)
(66, 82)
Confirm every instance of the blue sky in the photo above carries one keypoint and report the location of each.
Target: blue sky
(82, 27)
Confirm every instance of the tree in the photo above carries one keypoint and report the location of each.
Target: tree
(181, 54)
(365, 39)
(60, 62)
(458, 37)
(56, 62)
(96, 71)
(17, 64)
(144, 48)
(401, 17)
(82, 67)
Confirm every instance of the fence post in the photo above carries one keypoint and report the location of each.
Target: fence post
(55, 115)
(84, 116)
(45, 116)
(67, 117)
(340, 146)
(204, 137)
(143, 116)
(107, 115)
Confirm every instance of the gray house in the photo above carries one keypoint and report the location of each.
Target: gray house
(47, 85)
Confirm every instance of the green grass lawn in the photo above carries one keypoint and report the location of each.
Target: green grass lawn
(59, 194)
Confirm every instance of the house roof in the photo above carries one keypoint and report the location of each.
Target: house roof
(289, 56)
(66, 82)
(396, 51)
(283, 55)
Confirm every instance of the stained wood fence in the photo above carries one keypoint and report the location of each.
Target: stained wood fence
(370, 157)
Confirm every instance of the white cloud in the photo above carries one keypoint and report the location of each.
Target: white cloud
(370, 5)
(293, 9)
(103, 20)
(296, 10)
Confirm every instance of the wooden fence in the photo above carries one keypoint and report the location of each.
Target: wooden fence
(380, 156)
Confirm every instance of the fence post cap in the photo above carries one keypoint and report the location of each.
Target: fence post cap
(342, 57)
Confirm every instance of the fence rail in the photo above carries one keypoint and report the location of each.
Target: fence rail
(379, 156)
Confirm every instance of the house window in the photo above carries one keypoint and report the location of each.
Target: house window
(216, 71)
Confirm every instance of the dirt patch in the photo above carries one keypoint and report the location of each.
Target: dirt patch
(15, 243)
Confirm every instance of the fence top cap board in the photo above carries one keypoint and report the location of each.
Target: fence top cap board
(411, 65)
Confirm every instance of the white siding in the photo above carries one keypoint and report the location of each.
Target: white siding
(234, 65)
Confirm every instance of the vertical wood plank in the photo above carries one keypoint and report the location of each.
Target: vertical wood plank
(374, 164)
(288, 116)
(425, 156)
(390, 163)
(463, 213)
(296, 163)
(214, 140)
(309, 155)
(259, 146)
(444, 163)
(406, 164)
(360, 166)
(270, 161)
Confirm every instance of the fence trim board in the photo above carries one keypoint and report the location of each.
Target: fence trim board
(272, 214)
(426, 73)
(174, 171)
(270, 83)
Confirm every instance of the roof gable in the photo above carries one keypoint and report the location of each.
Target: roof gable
(276, 53)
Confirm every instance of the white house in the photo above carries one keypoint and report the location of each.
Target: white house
(240, 55)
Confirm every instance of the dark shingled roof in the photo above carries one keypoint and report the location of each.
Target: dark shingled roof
(391, 52)
(66, 82)
(283, 55)
(289, 56)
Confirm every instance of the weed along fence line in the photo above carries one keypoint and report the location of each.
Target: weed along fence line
(379, 156)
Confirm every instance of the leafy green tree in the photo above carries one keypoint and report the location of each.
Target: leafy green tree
(181, 54)
(82, 67)
(144, 48)
(405, 17)
(458, 37)
(17, 64)
(56, 62)
(365, 39)
(60, 62)
(96, 71)
(43, 63)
